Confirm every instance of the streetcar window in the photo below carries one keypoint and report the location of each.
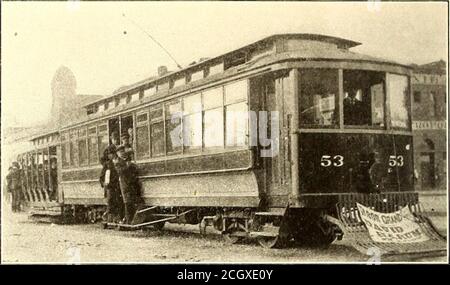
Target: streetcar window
(102, 128)
(65, 155)
(236, 92)
(157, 131)
(319, 97)
(102, 138)
(142, 136)
(236, 114)
(73, 153)
(213, 118)
(179, 82)
(399, 102)
(92, 145)
(149, 91)
(364, 98)
(165, 85)
(157, 138)
(236, 117)
(82, 147)
(213, 98)
(126, 127)
(173, 127)
(213, 124)
(192, 122)
(142, 141)
(103, 141)
(82, 152)
(93, 150)
(197, 75)
(82, 132)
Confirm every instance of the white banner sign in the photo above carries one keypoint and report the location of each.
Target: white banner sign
(397, 227)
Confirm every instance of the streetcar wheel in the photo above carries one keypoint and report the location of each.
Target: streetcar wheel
(271, 242)
(234, 233)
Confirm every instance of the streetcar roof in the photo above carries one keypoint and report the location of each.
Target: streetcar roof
(340, 42)
(340, 52)
(45, 134)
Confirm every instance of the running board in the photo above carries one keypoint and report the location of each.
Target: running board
(167, 217)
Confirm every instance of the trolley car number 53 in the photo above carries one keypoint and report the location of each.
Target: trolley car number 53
(396, 160)
(328, 160)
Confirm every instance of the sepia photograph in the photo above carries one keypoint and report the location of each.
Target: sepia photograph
(210, 132)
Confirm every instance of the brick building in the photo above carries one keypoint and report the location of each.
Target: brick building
(430, 125)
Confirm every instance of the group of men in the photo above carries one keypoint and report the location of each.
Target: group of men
(16, 178)
(119, 179)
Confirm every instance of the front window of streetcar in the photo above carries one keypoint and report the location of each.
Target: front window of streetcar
(319, 97)
(364, 98)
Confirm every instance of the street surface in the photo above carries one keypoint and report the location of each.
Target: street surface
(25, 241)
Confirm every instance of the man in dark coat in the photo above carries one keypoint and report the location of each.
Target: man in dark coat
(129, 182)
(109, 180)
(53, 178)
(353, 109)
(128, 148)
(14, 184)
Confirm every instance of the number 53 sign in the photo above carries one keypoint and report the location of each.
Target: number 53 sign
(338, 160)
(396, 160)
(328, 160)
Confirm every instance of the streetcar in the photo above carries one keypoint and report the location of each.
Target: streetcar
(277, 140)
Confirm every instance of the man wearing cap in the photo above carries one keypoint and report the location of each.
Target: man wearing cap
(128, 148)
(14, 185)
(109, 180)
(129, 182)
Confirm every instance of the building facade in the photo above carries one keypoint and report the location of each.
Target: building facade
(430, 125)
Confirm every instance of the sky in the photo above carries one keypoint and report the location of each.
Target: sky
(104, 49)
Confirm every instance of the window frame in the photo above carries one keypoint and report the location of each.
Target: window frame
(82, 137)
(385, 105)
(408, 107)
(206, 149)
(139, 125)
(191, 149)
(94, 137)
(337, 125)
(245, 100)
(165, 114)
(73, 145)
(157, 120)
(65, 138)
(101, 133)
(387, 114)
